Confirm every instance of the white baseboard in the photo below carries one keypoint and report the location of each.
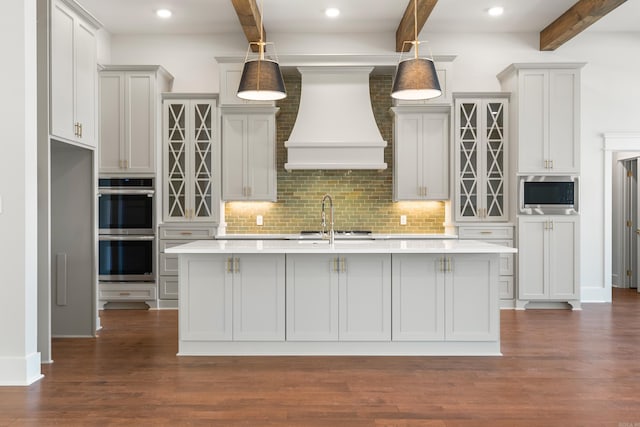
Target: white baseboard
(595, 294)
(20, 371)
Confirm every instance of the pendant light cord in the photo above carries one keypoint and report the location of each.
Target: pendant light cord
(415, 27)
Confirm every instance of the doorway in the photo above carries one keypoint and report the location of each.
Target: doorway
(626, 222)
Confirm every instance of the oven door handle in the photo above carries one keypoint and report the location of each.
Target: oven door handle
(134, 192)
(125, 237)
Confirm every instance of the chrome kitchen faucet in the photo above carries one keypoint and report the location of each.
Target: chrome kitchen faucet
(324, 219)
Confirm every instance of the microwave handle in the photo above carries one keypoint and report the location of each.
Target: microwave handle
(125, 237)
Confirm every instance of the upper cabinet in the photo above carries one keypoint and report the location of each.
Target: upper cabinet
(191, 160)
(130, 109)
(249, 153)
(230, 73)
(421, 153)
(481, 157)
(73, 73)
(548, 115)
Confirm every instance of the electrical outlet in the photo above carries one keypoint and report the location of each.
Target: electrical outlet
(259, 220)
(403, 220)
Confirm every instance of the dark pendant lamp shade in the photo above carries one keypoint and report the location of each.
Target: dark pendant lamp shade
(416, 78)
(261, 81)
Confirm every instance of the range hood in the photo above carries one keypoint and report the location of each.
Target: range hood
(335, 127)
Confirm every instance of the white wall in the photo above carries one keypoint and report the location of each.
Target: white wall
(19, 359)
(610, 89)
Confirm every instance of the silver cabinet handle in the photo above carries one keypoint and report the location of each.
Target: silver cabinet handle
(335, 265)
(344, 265)
(228, 265)
(236, 264)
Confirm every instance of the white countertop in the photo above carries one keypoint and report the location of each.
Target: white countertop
(434, 246)
(296, 236)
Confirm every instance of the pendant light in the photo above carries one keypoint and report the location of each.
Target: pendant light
(261, 78)
(416, 78)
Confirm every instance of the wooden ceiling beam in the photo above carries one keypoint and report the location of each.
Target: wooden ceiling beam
(249, 16)
(405, 31)
(575, 20)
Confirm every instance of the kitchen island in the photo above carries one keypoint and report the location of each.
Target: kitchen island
(352, 297)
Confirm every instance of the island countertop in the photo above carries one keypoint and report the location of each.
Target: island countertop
(433, 246)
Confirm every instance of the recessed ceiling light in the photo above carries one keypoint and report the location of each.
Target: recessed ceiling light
(332, 12)
(163, 13)
(496, 11)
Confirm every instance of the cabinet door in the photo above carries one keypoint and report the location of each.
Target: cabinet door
(112, 131)
(62, 71)
(468, 160)
(471, 298)
(563, 258)
(494, 161)
(365, 297)
(175, 163)
(564, 121)
(140, 123)
(434, 153)
(533, 121)
(532, 258)
(85, 84)
(407, 177)
(261, 157)
(234, 145)
(258, 297)
(205, 298)
(312, 297)
(202, 150)
(417, 298)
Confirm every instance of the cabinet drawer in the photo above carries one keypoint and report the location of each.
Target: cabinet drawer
(505, 287)
(474, 232)
(127, 291)
(168, 288)
(166, 244)
(169, 264)
(193, 233)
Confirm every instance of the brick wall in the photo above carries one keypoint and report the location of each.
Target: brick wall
(362, 198)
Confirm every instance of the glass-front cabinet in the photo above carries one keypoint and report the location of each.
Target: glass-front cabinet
(481, 159)
(190, 147)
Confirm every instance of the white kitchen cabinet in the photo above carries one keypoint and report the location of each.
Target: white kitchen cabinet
(499, 235)
(547, 113)
(130, 113)
(548, 268)
(206, 304)
(421, 157)
(170, 236)
(418, 297)
(258, 297)
(451, 298)
(249, 154)
(191, 159)
(481, 158)
(73, 75)
(230, 74)
(338, 297)
(235, 297)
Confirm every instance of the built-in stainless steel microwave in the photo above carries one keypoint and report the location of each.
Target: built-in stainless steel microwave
(549, 195)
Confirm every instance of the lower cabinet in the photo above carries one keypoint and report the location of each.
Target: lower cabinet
(171, 236)
(338, 297)
(237, 297)
(548, 258)
(450, 298)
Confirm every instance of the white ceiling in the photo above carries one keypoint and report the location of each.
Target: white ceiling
(291, 16)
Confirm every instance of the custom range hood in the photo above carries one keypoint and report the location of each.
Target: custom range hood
(335, 127)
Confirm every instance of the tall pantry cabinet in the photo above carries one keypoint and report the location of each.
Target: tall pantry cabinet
(545, 117)
(481, 184)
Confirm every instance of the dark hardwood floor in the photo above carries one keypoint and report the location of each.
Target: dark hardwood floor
(560, 368)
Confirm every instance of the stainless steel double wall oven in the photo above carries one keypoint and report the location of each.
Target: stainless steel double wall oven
(126, 230)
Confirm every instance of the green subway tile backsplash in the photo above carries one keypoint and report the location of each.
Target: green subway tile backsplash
(362, 198)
